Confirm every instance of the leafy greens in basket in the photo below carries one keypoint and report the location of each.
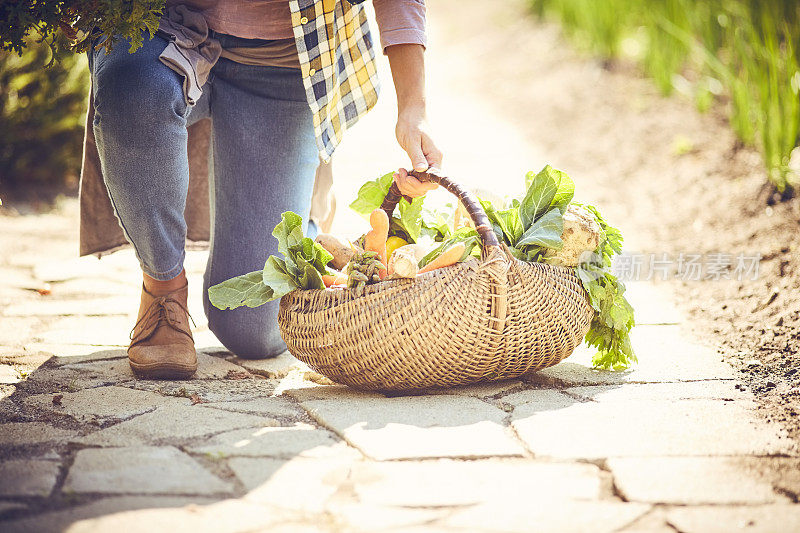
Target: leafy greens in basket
(545, 226)
(302, 267)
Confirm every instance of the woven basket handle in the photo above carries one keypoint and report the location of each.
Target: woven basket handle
(470, 202)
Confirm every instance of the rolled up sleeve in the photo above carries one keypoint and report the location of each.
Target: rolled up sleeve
(400, 22)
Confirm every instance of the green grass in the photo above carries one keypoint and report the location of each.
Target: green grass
(743, 52)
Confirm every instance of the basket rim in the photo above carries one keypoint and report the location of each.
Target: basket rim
(386, 283)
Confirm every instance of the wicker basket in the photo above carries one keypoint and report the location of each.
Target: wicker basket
(496, 318)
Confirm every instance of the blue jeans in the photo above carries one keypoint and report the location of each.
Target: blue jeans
(264, 158)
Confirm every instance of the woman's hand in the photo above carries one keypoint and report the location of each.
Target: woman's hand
(408, 73)
(411, 186)
(413, 137)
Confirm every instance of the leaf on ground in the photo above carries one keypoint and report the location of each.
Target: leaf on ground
(197, 399)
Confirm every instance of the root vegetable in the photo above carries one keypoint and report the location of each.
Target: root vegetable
(403, 263)
(392, 244)
(581, 234)
(461, 217)
(447, 258)
(409, 257)
(375, 239)
(341, 250)
(419, 250)
(338, 278)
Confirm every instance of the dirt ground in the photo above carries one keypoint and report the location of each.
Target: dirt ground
(676, 181)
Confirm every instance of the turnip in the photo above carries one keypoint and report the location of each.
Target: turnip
(404, 262)
(581, 234)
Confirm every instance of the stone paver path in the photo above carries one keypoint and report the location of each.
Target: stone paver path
(671, 445)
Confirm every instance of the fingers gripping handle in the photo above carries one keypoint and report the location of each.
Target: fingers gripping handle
(470, 202)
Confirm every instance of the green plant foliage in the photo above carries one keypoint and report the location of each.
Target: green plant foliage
(745, 50)
(77, 20)
(42, 113)
(529, 227)
(532, 226)
(42, 110)
(613, 319)
(302, 267)
(408, 220)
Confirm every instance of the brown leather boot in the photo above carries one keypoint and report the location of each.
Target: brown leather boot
(162, 346)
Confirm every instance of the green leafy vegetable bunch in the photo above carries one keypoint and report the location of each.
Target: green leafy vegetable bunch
(302, 267)
(529, 227)
(613, 319)
(411, 221)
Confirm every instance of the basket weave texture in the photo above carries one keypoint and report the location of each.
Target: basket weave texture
(480, 320)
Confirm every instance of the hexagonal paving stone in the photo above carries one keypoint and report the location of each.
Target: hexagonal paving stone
(724, 519)
(101, 403)
(546, 515)
(300, 483)
(665, 354)
(571, 429)
(448, 483)
(21, 433)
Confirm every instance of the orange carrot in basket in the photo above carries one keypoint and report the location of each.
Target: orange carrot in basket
(334, 279)
(447, 258)
(375, 239)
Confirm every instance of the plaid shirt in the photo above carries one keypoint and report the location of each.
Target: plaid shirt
(337, 59)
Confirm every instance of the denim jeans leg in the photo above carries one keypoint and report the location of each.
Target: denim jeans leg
(140, 127)
(265, 158)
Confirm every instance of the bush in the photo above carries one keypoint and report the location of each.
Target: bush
(748, 48)
(41, 119)
(76, 20)
(42, 109)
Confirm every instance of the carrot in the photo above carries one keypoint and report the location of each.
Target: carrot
(447, 258)
(334, 279)
(375, 239)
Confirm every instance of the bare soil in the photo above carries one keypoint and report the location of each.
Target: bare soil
(675, 180)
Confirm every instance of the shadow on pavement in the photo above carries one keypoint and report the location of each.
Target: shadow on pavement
(86, 445)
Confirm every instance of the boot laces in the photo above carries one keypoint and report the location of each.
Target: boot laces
(158, 314)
